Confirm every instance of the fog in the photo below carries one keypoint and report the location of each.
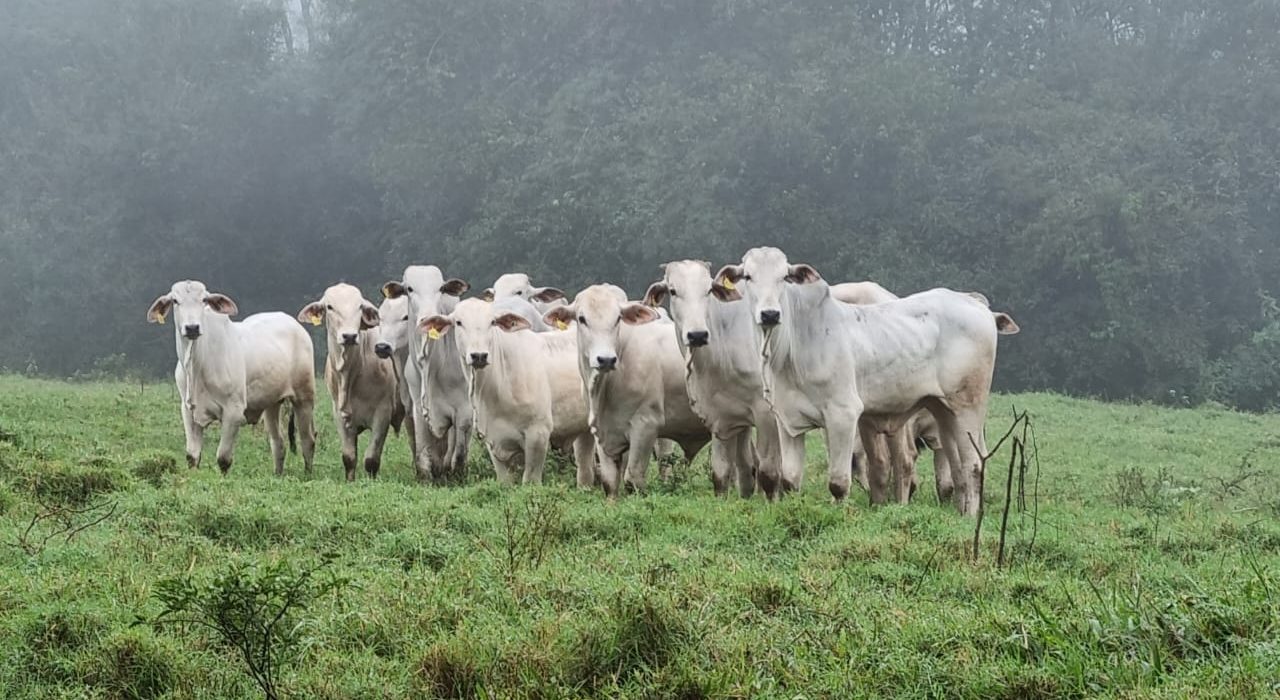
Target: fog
(1107, 172)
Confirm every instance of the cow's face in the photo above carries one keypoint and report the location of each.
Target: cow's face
(344, 312)
(394, 327)
(190, 303)
(429, 293)
(517, 284)
(689, 286)
(473, 323)
(762, 278)
(600, 311)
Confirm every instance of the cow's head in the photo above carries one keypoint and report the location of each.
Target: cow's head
(394, 327)
(474, 321)
(600, 311)
(517, 284)
(344, 312)
(429, 293)
(690, 288)
(190, 302)
(761, 278)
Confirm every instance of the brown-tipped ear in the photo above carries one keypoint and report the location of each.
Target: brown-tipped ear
(559, 317)
(393, 290)
(435, 326)
(656, 294)
(159, 308)
(454, 287)
(729, 276)
(723, 294)
(801, 273)
(546, 295)
(1005, 325)
(222, 304)
(487, 295)
(638, 314)
(512, 322)
(312, 313)
(369, 317)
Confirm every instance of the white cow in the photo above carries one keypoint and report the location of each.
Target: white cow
(236, 372)
(442, 408)
(362, 386)
(517, 284)
(394, 338)
(633, 375)
(525, 387)
(826, 364)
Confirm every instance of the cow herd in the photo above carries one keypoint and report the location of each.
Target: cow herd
(748, 359)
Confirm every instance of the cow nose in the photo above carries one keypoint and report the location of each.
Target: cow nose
(697, 339)
(770, 317)
(191, 330)
(348, 338)
(479, 359)
(382, 350)
(606, 362)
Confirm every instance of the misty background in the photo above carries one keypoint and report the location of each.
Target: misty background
(1106, 171)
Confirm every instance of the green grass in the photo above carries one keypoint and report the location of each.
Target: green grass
(1150, 575)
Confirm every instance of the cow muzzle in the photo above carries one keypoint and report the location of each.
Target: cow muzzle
(479, 360)
(349, 339)
(382, 350)
(770, 317)
(606, 363)
(696, 339)
(191, 331)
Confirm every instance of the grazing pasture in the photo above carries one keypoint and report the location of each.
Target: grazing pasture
(1154, 570)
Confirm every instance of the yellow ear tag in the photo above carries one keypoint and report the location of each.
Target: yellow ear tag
(315, 320)
(433, 334)
(727, 284)
(562, 324)
(161, 317)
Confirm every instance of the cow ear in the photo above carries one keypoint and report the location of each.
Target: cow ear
(559, 317)
(801, 273)
(980, 297)
(487, 295)
(435, 326)
(369, 317)
(160, 308)
(1005, 325)
(638, 314)
(222, 304)
(729, 276)
(723, 294)
(546, 295)
(454, 287)
(312, 313)
(656, 294)
(512, 322)
(393, 290)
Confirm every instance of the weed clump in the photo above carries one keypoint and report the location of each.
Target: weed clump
(131, 665)
(448, 672)
(154, 468)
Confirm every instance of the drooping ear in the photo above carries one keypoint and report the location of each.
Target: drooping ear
(723, 294)
(369, 317)
(312, 313)
(435, 326)
(160, 308)
(512, 322)
(393, 290)
(656, 294)
(454, 287)
(221, 303)
(546, 295)
(801, 273)
(559, 317)
(638, 314)
(1005, 325)
(487, 295)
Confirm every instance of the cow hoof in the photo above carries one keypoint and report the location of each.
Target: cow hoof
(769, 483)
(224, 465)
(838, 491)
(720, 486)
(371, 466)
(192, 461)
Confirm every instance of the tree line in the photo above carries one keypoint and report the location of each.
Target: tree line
(1108, 172)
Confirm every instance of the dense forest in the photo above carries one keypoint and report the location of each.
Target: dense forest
(1108, 172)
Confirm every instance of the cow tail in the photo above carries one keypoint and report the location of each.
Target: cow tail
(293, 430)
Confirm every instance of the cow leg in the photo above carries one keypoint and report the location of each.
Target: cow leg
(411, 432)
(227, 441)
(195, 436)
(349, 445)
(841, 434)
(902, 463)
(503, 460)
(860, 460)
(969, 476)
(304, 413)
(377, 438)
(768, 450)
(952, 441)
(584, 455)
(876, 450)
(639, 451)
(609, 473)
(460, 447)
(942, 479)
(747, 463)
(786, 476)
(535, 456)
(721, 463)
(271, 416)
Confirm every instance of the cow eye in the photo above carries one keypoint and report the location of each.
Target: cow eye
(672, 292)
(519, 293)
(458, 324)
(329, 306)
(409, 289)
(406, 318)
(582, 320)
